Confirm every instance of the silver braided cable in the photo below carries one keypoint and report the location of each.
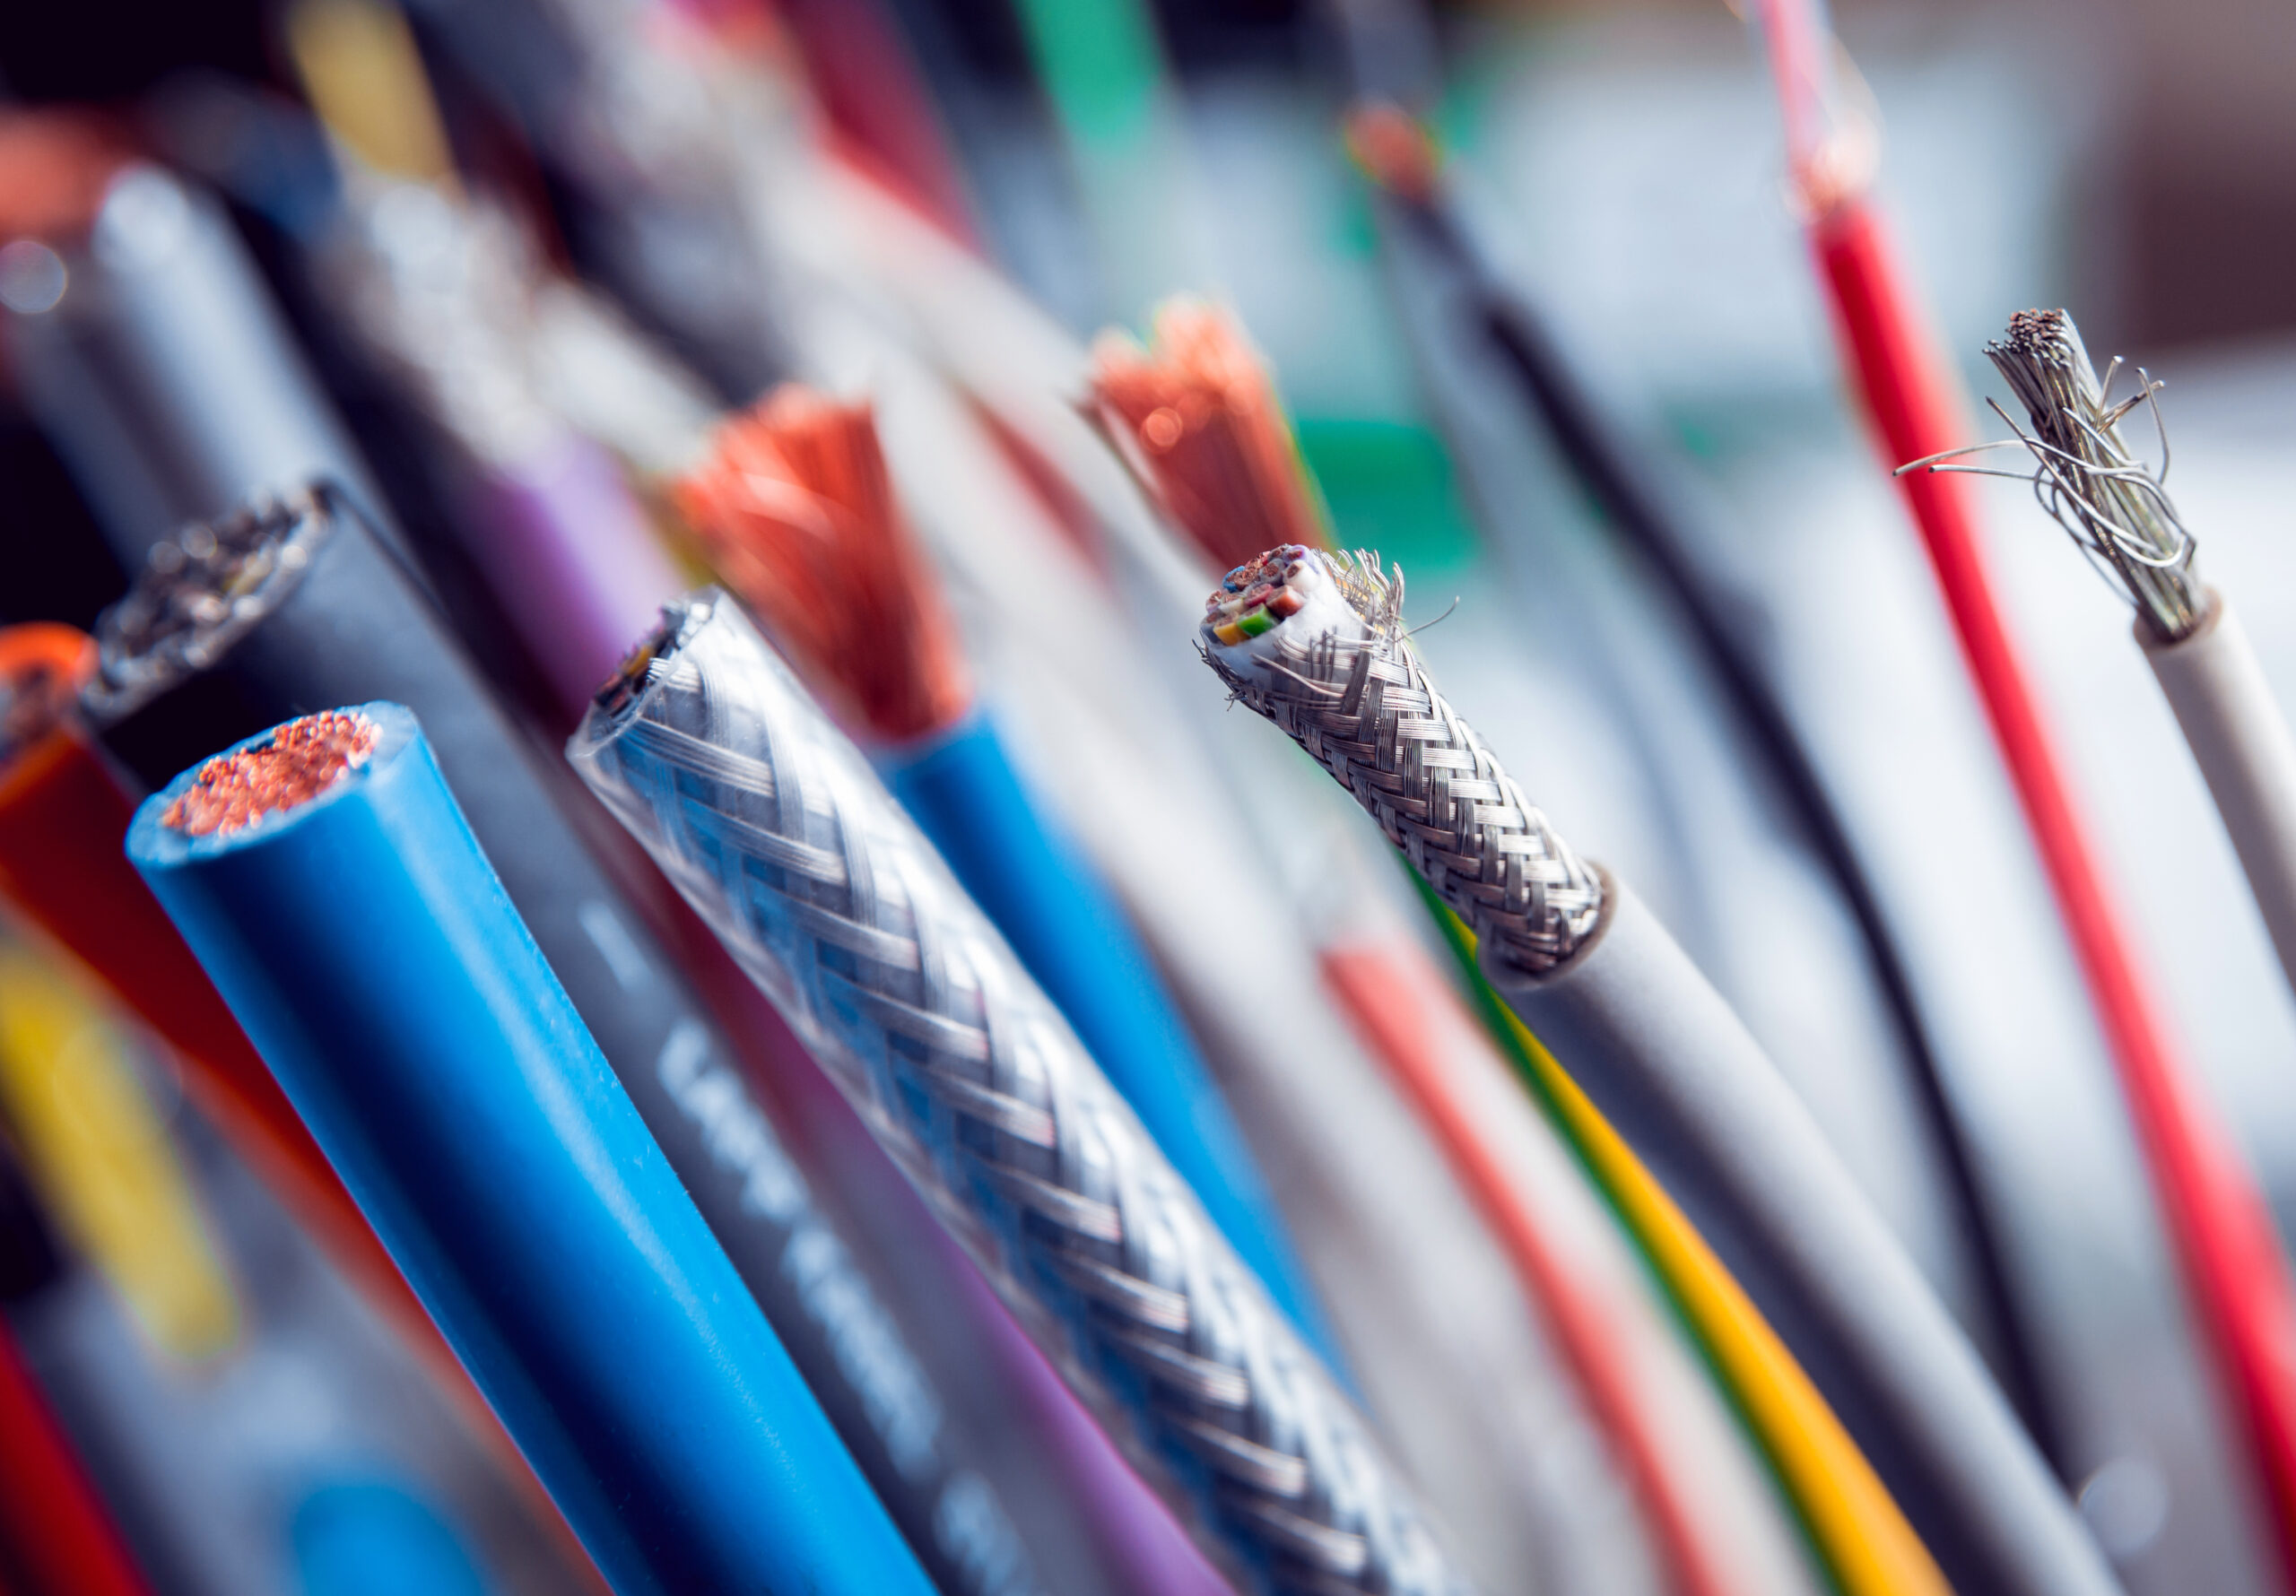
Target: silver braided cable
(1332, 666)
(780, 835)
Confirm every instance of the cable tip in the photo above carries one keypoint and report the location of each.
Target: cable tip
(295, 764)
(794, 507)
(1394, 149)
(1197, 418)
(1264, 608)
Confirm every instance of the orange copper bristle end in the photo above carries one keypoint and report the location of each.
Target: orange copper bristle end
(301, 759)
(1394, 149)
(795, 510)
(55, 166)
(1201, 415)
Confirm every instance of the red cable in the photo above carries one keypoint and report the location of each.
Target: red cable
(2216, 1216)
(56, 1538)
(1390, 1003)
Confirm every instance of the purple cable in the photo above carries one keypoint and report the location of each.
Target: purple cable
(571, 557)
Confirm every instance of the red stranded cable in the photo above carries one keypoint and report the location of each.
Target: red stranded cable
(2216, 1216)
(56, 1536)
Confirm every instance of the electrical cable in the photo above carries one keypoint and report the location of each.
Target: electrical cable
(323, 613)
(57, 1536)
(1860, 1535)
(1195, 418)
(1315, 643)
(796, 509)
(2117, 510)
(2216, 1216)
(780, 836)
(1627, 487)
(456, 1087)
(62, 817)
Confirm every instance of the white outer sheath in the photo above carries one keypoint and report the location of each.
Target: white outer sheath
(2240, 739)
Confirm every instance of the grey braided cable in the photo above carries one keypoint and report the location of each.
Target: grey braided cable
(780, 836)
(1345, 683)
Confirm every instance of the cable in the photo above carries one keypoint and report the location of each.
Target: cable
(780, 837)
(1315, 643)
(62, 816)
(2118, 511)
(322, 613)
(2216, 1217)
(795, 507)
(1624, 485)
(1195, 417)
(455, 1087)
(57, 1536)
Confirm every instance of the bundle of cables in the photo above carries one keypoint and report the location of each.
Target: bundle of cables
(796, 509)
(1316, 642)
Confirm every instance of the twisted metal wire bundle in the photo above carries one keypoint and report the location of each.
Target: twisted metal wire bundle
(2090, 481)
(782, 838)
(1358, 699)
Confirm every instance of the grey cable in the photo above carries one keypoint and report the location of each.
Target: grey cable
(1598, 979)
(2117, 509)
(782, 838)
(2215, 684)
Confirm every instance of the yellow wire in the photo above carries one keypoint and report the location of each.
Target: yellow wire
(1860, 1535)
(101, 1159)
(360, 66)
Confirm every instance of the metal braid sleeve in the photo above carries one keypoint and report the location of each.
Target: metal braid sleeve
(1672, 1066)
(784, 840)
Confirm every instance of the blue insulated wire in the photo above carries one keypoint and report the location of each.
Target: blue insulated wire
(365, 943)
(962, 792)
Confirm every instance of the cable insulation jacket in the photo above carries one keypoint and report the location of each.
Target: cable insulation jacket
(57, 1536)
(2239, 737)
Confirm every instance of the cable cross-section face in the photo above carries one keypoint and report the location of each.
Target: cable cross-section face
(783, 839)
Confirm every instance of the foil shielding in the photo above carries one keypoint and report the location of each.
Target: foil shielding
(780, 835)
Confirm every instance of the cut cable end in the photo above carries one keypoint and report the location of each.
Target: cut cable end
(1197, 416)
(294, 764)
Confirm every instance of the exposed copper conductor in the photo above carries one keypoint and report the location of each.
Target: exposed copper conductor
(1395, 150)
(1201, 418)
(303, 759)
(796, 510)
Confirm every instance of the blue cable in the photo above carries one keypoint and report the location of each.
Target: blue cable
(963, 793)
(363, 940)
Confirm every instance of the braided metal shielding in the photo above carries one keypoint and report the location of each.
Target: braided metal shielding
(1345, 683)
(780, 836)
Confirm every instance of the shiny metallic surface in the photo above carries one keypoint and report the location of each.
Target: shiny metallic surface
(781, 837)
(1347, 686)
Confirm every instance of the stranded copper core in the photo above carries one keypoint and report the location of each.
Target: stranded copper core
(301, 759)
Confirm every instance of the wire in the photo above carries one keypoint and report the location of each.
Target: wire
(1315, 643)
(2117, 510)
(1623, 1375)
(783, 840)
(796, 508)
(1861, 1536)
(57, 1535)
(2216, 1217)
(100, 1154)
(635, 1372)
(1400, 157)
(1195, 418)
(322, 612)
